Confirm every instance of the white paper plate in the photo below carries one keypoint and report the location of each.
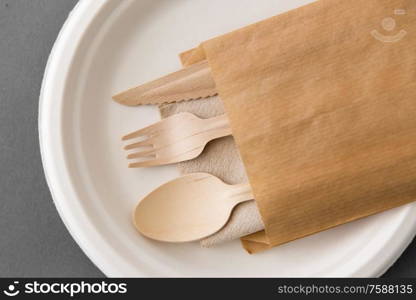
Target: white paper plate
(108, 46)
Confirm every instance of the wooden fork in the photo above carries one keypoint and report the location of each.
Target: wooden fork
(175, 139)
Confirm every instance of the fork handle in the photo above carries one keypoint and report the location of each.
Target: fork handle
(219, 126)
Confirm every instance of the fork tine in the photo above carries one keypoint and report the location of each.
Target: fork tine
(142, 132)
(142, 154)
(144, 164)
(145, 143)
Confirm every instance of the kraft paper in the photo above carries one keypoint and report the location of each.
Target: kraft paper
(322, 106)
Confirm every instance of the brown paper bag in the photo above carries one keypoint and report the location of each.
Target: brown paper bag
(322, 103)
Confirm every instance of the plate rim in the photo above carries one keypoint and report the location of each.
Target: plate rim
(90, 9)
(48, 87)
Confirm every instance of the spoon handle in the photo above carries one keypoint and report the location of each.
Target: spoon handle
(241, 193)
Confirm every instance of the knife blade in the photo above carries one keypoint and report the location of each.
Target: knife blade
(190, 83)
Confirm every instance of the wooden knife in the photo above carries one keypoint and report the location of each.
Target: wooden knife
(190, 83)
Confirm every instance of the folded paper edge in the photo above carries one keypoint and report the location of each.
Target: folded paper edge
(192, 56)
(256, 242)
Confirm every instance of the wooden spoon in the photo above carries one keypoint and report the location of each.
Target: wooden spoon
(188, 208)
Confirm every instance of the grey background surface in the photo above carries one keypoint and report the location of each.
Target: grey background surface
(33, 239)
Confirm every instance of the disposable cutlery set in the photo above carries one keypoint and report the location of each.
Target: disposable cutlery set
(322, 142)
(194, 206)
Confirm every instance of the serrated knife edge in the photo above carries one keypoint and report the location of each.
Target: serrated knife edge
(190, 83)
